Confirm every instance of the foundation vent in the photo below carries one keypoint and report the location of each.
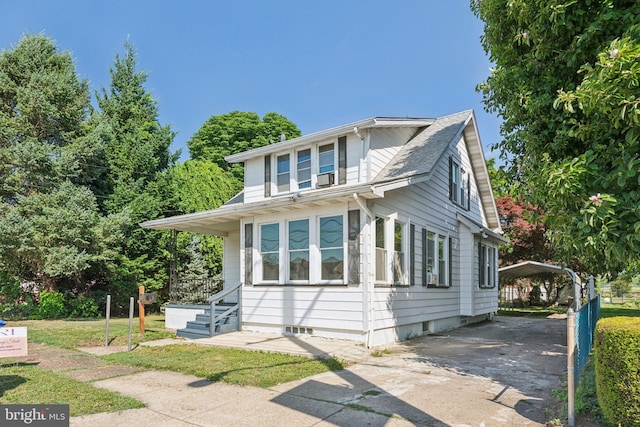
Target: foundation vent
(297, 330)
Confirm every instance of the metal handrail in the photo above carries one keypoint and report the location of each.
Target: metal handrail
(214, 299)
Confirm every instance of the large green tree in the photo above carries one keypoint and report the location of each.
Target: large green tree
(51, 232)
(565, 83)
(237, 131)
(137, 153)
(195, 186)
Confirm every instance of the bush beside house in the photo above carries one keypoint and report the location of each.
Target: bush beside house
(617, 358)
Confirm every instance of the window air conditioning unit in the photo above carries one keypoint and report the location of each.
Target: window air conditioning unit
(432, 279)
(325, 179)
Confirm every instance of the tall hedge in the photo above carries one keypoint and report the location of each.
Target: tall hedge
(617, 358)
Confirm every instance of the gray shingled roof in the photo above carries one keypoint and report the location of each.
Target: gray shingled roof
(421, 153)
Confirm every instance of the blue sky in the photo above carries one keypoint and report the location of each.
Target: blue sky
(319, 63)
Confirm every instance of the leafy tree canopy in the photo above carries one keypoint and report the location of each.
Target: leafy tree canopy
(51, 232)
(235, 132)
(565, 83)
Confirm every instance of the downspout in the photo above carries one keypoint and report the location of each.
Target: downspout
(367, 286)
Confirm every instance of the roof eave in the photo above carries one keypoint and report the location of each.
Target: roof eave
(328, 133)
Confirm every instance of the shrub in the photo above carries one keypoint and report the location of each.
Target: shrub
(51, 306)
(617, 357)
(82, 306)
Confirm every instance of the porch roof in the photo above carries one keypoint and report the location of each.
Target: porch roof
(227, 217)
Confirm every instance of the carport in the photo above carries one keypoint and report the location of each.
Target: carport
(510, 273)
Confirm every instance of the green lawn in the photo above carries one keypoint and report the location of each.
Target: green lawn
(25, 383)
(90, 333)
(28, 384)
(230, 365)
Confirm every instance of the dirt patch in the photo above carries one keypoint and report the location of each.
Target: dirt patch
(81, 366)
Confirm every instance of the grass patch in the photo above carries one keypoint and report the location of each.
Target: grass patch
(614, 310)
(90, 333)
(28, 384)
(229, 365)
(380, 353)
(532, 311)
(586, 400)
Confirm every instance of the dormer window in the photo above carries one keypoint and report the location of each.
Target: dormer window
(283, 178)
(303, 167)
(326, 165)
(311, 167)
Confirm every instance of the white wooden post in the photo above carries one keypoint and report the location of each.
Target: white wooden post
(571, 333)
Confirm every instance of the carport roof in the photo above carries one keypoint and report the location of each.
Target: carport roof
(530, 268)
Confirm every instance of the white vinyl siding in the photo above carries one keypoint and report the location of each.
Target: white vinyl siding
(384, 145)
(427, 205)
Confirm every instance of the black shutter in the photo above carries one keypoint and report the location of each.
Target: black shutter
(412, 254)
(353, 250)
(424, 257)
(248, 254)
(450, 178)
(267, 175)
(342, 160)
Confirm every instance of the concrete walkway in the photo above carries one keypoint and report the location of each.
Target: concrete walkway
(494, 374)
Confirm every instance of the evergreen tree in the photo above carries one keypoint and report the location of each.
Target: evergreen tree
(51, 232)
(137, 153)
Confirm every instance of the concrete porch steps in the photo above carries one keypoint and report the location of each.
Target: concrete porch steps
(201, 326)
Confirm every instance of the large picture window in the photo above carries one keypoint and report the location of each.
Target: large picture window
(298, 250)
(304, 251)
(332, 248)
(270, 251)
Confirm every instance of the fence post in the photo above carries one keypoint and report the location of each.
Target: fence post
(107, 316)
(130, 321)
(571, 334)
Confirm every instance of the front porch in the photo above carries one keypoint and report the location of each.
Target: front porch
(202, 308)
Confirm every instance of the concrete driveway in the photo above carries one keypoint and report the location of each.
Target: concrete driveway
(498, 373)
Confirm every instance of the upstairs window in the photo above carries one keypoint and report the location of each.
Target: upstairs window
(283, 177)
(326, 159)
(458, 185)
(303, 167)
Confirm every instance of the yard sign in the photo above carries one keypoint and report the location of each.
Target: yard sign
(13, 342)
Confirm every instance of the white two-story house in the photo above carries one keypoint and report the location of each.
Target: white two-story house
(374, 231)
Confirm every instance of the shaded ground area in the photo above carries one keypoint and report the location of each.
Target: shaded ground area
(497, 373)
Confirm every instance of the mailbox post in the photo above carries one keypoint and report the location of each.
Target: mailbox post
(144, 299)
